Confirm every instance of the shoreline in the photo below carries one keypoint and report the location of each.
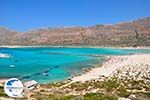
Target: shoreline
(119, 47)
(108, 67)
(137, 67)
(140, 63)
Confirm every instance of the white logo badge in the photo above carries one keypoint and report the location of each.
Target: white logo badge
(13, 87)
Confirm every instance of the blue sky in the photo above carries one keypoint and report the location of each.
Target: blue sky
(25, 15)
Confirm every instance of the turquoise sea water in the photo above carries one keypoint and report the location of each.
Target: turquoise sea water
(53, 64)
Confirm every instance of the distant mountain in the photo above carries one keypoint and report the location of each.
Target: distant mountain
(135, 33)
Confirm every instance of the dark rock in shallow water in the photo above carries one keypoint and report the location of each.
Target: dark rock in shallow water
(16, 60)
(46, 71)
(7, 77)
(36, 74)
(53, 67)
(26, 77)
(56, 66)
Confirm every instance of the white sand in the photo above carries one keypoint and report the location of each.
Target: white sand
(34, 46)
(2, 81)
(114, 63)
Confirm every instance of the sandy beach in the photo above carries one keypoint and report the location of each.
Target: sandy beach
(119, 66)
(135, 64)
(2, 81)
(136, 67)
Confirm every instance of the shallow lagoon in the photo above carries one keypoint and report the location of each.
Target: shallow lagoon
(51, 64)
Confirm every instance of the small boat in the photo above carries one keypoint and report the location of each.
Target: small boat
(12, 66)
(2, 55)
(37, 74)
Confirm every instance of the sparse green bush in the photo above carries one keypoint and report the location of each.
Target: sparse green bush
(122, 92)
(98, 96)
(147, 94)
(2, 93)
(110, 85)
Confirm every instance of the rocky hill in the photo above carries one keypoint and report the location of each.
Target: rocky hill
(135, 33)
